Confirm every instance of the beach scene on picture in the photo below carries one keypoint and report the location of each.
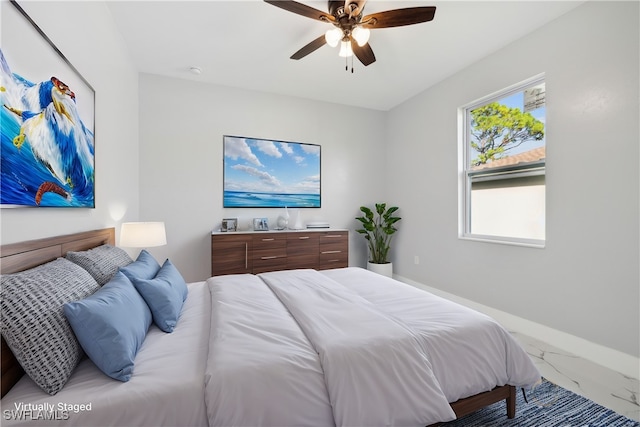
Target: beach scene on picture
(271, 173)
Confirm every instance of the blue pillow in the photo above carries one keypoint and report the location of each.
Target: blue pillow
(165, 295)
(144, 267)
(111, 325)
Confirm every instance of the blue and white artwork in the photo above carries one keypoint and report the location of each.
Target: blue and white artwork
(46, 111)
(268, 173)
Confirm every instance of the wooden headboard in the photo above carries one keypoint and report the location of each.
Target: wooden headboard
(20, 256)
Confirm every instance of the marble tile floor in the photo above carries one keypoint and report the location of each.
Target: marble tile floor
(604, 386)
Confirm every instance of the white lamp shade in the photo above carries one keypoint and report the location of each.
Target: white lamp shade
(361, 35)
(345, 50)
(333, 37)
(142, 234)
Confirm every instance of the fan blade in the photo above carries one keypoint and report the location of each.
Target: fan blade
(302, 9)
(306, 50)
(363, 53)
(399, 17)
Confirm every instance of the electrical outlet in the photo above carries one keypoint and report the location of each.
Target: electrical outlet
(416, 260)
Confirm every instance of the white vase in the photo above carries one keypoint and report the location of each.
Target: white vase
(383, 269)
(297, 225)
(283, 220)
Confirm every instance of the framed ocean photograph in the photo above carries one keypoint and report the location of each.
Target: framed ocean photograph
(266, 173)
(47, 114)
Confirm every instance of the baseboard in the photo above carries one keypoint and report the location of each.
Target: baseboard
(612, 359)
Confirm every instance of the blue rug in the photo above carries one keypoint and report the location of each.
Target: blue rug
(548, 405)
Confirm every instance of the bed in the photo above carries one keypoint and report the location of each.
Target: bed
(300, 347)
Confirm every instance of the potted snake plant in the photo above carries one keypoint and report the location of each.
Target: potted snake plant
(378, 228)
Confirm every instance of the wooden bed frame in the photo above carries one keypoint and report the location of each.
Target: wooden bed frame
(20, 256)
(471, 404)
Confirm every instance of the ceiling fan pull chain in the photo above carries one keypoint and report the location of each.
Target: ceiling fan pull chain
(352, 65)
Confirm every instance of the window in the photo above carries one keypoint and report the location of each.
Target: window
(502, 175)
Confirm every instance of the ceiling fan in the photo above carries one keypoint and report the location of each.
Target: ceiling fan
(351, 28)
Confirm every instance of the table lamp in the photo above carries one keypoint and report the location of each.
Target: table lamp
(142, 234)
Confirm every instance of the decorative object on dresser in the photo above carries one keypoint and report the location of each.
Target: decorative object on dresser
(246, 252)
(260, 224)
(283, 220)
(318, 224)
(378, 229)
(229, 224)
(297, 222)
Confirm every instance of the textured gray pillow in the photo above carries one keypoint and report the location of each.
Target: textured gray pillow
(102, 262)
(33, 323)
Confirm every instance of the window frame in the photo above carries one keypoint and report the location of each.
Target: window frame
(466, 176)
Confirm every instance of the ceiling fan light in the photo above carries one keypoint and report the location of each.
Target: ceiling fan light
(345, 49)
(361, 35)
(333, 37)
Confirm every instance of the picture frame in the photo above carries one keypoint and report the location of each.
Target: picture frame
(48, 152)
(260, 224)
(269, 173)
(229, 224)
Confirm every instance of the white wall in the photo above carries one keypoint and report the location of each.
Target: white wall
(84, 32)
(585, 282)
(516, 209)
(181, 127)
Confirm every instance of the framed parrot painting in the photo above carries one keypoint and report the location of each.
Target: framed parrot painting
(47, 116)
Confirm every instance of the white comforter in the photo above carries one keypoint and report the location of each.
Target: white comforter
(469, 351)
(347, 347)
(262, 370)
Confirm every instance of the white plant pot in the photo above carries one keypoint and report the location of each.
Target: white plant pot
(384, 269)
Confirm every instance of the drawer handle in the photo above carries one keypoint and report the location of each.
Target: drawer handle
(268, 240)
(269, 257)
(333, 235)
(333, 260)
(331, 252)
(303, 237)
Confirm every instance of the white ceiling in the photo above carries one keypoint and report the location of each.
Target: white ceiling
(247, 44)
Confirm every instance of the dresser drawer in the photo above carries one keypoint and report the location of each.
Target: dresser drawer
(333, 236)
(269, 263)
(334, 240)
(302, 242)
(270, 241)
(333, 259)
(334, 249)
(302, 250)
(269, 252)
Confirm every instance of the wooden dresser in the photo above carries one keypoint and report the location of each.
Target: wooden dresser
(260, 251)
